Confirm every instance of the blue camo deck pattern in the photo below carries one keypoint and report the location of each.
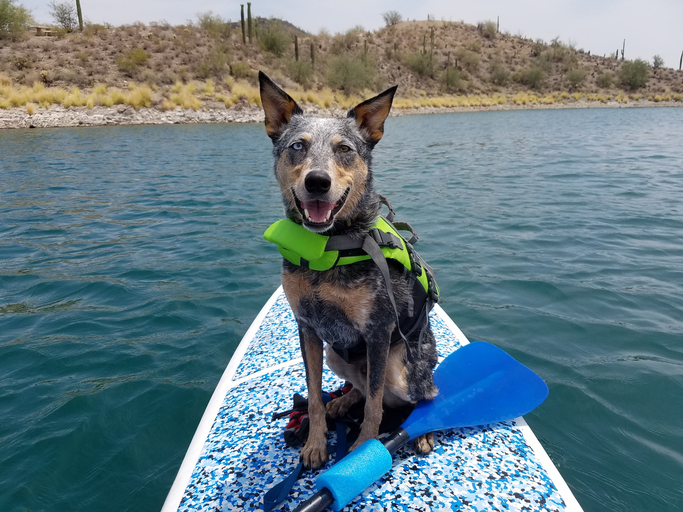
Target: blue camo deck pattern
(471, 469)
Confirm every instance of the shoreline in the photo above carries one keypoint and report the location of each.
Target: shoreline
(60, 117)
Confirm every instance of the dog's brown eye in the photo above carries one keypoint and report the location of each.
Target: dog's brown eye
(344, 148)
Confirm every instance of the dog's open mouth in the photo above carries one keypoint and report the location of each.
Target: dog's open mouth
(320, 214)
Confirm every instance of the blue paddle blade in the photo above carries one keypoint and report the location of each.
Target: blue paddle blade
(478, 384)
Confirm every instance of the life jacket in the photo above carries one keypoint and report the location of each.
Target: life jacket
(382, 242)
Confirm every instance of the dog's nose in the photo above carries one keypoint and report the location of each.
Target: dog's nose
(318, 182)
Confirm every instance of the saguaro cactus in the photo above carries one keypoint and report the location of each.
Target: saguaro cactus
(244, 32)
(80, 15)
(249, 19)
(312, 55)
(296, 48)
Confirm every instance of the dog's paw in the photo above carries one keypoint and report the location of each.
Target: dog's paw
(340, 406)
(365, 434)
(314, 453)
(424, 444)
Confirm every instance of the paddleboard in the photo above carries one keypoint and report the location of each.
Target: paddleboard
(238, 452)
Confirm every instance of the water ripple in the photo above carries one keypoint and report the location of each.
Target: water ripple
(131, 263)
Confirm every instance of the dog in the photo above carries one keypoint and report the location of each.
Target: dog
(323, 167)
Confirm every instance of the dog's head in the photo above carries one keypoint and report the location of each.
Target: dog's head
(323, 164)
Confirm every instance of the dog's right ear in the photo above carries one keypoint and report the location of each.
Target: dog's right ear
(278, 106)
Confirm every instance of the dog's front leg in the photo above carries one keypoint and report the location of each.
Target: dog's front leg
(314, 453)
(378, 353)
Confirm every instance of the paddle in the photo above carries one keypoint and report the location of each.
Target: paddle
(478, 384)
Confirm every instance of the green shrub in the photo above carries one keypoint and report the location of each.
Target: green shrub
(605, 80)
(273, 38)
(130, 61)
(350, 73)
(213, 65)
(214, 24)
(452, 80)
(63, 14)
(420, 64)
(391, 18)
(657, 62)
(240, 69)
(533, 77)
(634, 74)
(13, 19)
(301, 72)
(575, 77)
(488, 29)
(468, 59)
(538, 48)
(345, 42)
(500, 75)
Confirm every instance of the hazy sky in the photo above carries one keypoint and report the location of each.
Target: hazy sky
(652, 27)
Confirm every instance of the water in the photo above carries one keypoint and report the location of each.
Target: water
(131, 264)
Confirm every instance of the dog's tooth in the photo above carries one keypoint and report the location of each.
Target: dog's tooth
(306, 214)
(327, 217)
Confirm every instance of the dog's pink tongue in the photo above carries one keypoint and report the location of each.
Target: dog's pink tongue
(317, 210)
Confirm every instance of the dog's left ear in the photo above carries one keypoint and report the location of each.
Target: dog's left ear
(371, 114)
(278, 106)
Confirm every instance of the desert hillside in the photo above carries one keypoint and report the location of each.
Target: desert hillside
(210, 64)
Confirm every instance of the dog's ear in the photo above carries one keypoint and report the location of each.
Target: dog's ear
(278, 106)
(370, 115)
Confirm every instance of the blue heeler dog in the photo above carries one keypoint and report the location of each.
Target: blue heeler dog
(323, 166)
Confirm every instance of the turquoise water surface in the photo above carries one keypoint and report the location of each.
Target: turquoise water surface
(132, 263)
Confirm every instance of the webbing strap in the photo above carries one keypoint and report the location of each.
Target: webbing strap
(373, 250)
(385, 201)
(279, 492)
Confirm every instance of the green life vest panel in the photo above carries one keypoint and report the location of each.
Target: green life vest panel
(307, 249)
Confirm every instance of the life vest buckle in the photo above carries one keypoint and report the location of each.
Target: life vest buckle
(384, 239)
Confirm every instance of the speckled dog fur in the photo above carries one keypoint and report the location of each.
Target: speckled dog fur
(328, 161)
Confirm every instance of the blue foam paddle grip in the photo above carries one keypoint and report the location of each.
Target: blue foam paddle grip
(356, 472)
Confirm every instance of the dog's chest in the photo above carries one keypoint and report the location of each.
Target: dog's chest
(337, 313)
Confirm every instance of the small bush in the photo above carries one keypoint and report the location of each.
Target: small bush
(533, 77)
(468, 59)
(420, 64)
(345, 42)
(538, 48)
(488, 29)
(350, 73)
(301, 72)
(392, 18)
(657, 62)
(273, 38)
(214, 24)
(634, 74)
(130, 61)
(94, 29)
(63, 14)
(500, 75)
(13, 19)
(240, 69)
(576, 77)
(452, 80)
(605, 80)
(215, 64)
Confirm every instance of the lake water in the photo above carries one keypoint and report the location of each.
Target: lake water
(131, 264)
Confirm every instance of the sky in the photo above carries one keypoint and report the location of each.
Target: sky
(653, 27)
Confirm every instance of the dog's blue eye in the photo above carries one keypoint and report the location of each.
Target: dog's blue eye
(297, 146)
